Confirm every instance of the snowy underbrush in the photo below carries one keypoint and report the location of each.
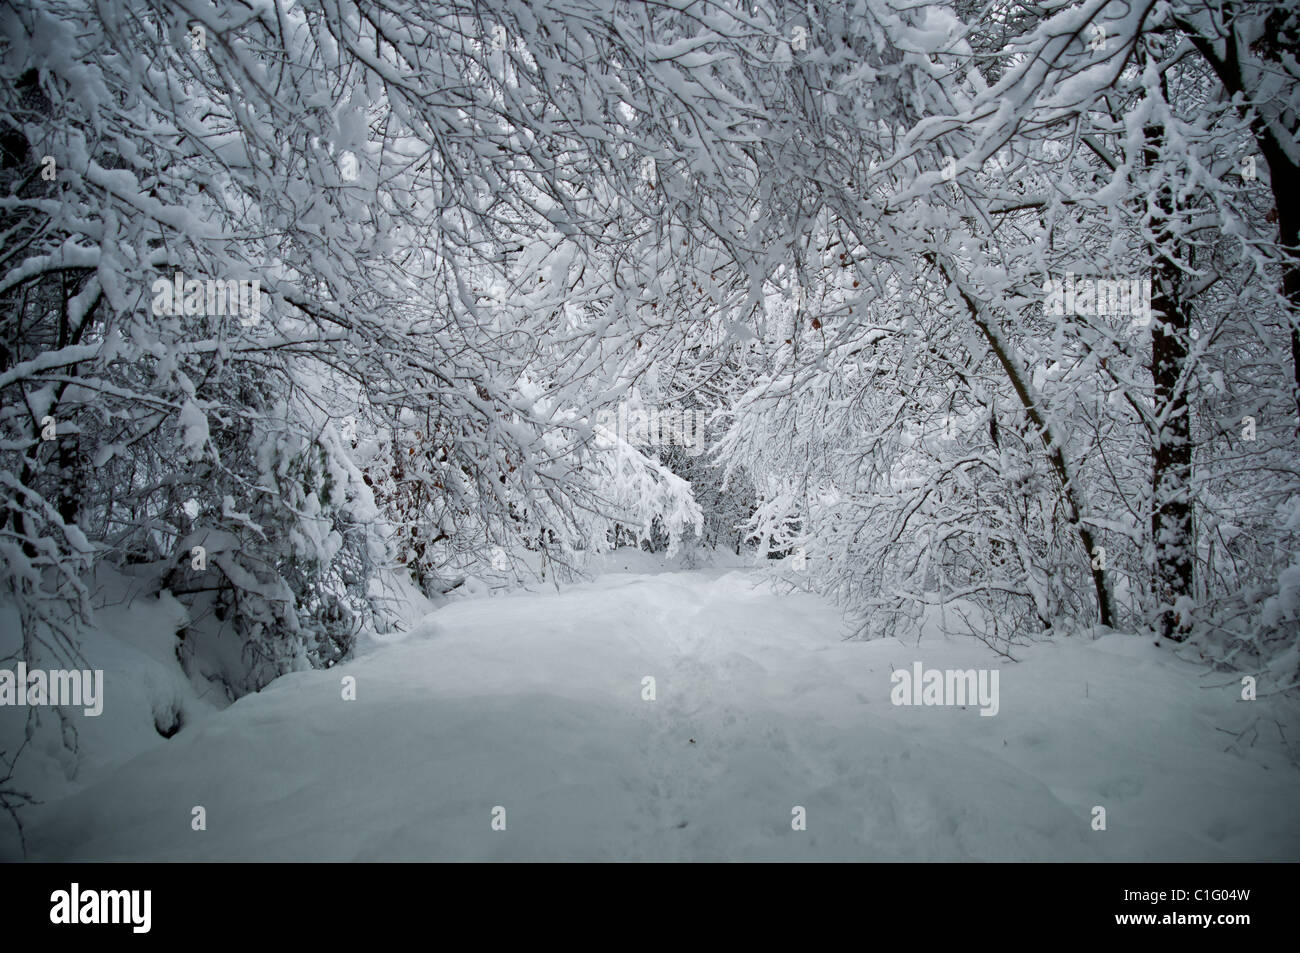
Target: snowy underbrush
(148, 696)
(166, 668)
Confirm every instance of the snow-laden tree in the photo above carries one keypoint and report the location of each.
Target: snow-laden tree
(438, 219)
(959, 175)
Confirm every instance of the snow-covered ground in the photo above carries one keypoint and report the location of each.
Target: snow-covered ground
(534, 702)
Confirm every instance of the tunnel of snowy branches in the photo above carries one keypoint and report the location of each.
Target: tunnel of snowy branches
(608, 430)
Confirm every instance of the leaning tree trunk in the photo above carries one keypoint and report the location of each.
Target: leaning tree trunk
(1070, 489)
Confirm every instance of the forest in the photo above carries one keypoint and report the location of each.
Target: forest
(315, 310)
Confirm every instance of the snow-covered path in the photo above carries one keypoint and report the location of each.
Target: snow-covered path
(533, 702)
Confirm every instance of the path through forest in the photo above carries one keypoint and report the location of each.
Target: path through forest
(534, 702)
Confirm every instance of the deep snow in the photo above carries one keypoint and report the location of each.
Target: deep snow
(533, 702)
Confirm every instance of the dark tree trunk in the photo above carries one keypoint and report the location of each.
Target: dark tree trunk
(1283, 172)
(1286, 194)
(1171, 452)
(1171, 469)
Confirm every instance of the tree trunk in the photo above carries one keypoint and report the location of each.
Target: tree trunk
(1283, 172)
(1171, 452)
(1051, 446)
